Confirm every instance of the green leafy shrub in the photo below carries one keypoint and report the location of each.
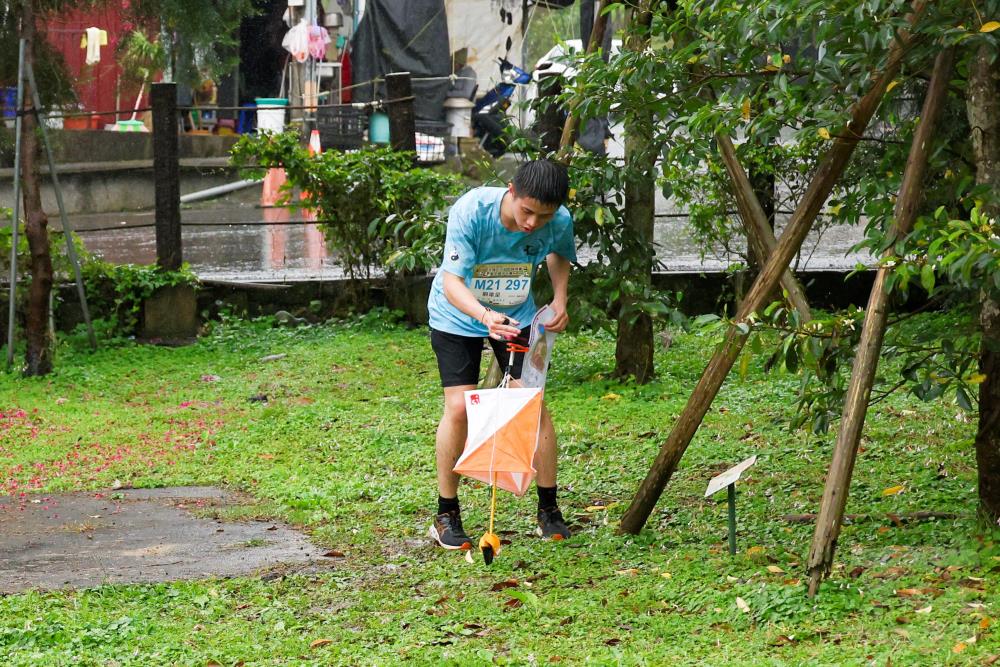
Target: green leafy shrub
(115, 292)
(62, 270)
(375, 210)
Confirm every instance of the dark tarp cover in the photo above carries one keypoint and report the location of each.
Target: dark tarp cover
(404, 36)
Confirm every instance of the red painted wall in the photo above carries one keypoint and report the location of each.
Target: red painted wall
(97, 86)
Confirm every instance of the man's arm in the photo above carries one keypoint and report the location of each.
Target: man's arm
(460, 296)
(559, 268)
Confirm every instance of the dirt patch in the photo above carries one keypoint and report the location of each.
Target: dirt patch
(82, 540)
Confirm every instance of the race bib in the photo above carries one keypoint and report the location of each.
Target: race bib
(501, 284)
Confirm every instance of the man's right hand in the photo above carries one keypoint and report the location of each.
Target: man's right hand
(500, 325)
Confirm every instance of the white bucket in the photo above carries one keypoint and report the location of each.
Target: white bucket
(458, 112)
(271, 114)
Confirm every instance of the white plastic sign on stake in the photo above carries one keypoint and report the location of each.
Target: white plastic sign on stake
(723, 480)
(727, 481)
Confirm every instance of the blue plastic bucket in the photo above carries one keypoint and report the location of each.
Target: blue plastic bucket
(8, 99)
(378, 128)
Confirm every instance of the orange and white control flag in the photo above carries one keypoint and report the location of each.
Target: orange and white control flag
(503, 437)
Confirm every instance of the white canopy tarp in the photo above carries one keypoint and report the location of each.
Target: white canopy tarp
(476, 25)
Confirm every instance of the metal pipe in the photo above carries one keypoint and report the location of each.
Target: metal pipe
(17, 202)
(731, 502)
(219, 190)
(67, 229)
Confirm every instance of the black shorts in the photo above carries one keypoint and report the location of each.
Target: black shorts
(459, 357)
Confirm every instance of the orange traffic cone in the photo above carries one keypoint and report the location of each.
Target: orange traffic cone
(273, 181)
(314, 150)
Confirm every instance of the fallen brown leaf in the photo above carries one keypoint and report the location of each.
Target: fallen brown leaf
(975, 583)
(501, 585)
(890, 573)
(320, 642)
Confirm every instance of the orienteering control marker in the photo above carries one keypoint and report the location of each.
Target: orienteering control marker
(728, 481)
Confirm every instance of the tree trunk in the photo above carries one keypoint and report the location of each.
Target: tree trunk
(38, 356)
(825, 178)
(983, 106)
(634, 347)
(988, 433)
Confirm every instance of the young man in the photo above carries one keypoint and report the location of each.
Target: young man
(496, 239)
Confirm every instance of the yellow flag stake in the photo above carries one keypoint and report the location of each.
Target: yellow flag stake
(489, 543)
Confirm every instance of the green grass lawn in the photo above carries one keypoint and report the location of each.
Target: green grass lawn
(343, 447)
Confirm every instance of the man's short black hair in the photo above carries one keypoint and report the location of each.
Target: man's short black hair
(543, 180)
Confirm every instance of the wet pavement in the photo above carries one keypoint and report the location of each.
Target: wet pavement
(82, 540)
(228, 241)
(234, 238)
(233, 241)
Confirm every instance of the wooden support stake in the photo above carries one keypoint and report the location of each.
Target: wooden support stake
(166, 176)
(572, 118)
(827, 175)
(838, 479)
(755, 224)
(400, 109)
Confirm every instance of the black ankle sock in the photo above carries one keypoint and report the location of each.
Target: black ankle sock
(546, 497)
(446, 505)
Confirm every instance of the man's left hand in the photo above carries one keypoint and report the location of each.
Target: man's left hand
(561, 319)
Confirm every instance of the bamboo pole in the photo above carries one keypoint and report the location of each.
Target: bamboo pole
(838, 480)
(758, 231)
(829, 172)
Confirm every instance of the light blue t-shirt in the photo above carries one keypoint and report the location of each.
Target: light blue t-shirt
(498, 265)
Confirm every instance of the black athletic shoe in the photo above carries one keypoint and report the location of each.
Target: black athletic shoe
(551, 524)
(448, 532)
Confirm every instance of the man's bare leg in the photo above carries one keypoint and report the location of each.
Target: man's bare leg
(450, 441)
(545, 457)
(447, 526)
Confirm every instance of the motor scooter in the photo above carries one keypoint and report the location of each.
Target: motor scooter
(489, 115)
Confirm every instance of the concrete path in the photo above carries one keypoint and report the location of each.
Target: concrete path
(81, 540)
